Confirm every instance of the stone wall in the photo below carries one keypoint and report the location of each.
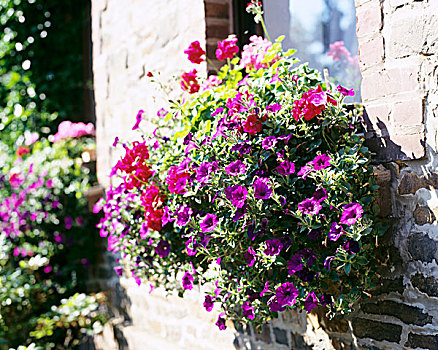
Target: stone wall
(399, 55)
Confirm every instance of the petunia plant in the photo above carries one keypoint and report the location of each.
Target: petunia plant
(255, 185)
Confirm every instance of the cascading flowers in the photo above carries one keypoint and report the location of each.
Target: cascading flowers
(260, 187)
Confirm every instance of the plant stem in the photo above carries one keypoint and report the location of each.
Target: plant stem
(264, 28)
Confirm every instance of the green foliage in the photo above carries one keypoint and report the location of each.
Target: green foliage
(41, 64)
(268, 240)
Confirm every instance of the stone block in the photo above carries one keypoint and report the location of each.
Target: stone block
(364, 328)
(383, 180)
(408, 113)
(423, 215)
(369, 18)
(422, 248)
(281, 336)
(422, 341)
(427, 285)
(371, 52)
(264, 335)
(410, 183)
(406, 313)
(385, 286)
(408, 146)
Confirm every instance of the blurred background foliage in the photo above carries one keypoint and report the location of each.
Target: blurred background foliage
(44, 65)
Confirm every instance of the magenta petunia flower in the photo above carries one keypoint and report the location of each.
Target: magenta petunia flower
(262, 190)
(208, 303)
(304, 171)
(286, 294)
(309, 206)
(183, 215)
(250, 256)
(320, 194)
(275, 107)
(203, 172)
(237, 195)
(187, 281)
(273, 247)
(274, 305)
(269, 142)
(235, 168)
(345, 91)
(191, 246)
(351, 213)
(138, 119)
(351, 246)
(335, 232)
(310, 302)
(321, 162)
(265, 289)
(248, 310)
(286, 168)
(221, 323)
(209, 223)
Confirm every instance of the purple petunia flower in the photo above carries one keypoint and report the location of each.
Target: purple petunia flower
(162, 249)
(321, 162)
(295, 264)
(351, 246)
(285, 138)
(237, 195)
(191, 246)
(183, 215)
(320, 194)
(203, 172)
(273, 247)
(118, 270)
(242, 148)
(221, 323)
(265, 289)
(286, 294)
(138, 119)
(310, 302)
(187, 281)
(262, 190)
(345, 91)
(209, 223)
(68, 222)
(269, 142)
(309, 206)
(208, 303)
(351, 213)
(335, 232)
(250, 256)
(167, 216)
(275, 107)
(235, 168)
(240, 212)
(248, 311)
(274, 305)
(286, 168)
(116, 141)
(304, 171)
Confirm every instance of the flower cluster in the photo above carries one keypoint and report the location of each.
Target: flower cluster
(68, 129)
(262, 188)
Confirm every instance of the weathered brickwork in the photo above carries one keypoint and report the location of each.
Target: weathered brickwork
(398, 43)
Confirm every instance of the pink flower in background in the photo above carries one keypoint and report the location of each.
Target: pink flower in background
(68, 129)
(30, 138)
(345, 91)
(254, 54)
(338, 52)
(227, 48)
(15, 180)
(195, 52)
(138, 119)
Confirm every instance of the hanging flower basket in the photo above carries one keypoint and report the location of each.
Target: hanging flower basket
(256, 184)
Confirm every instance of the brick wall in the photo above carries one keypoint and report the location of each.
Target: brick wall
(399, 55)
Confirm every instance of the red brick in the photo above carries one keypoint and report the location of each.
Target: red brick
(371, 52)
(220, 31)
(408, 113)
(216, 10)
(369, 18)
